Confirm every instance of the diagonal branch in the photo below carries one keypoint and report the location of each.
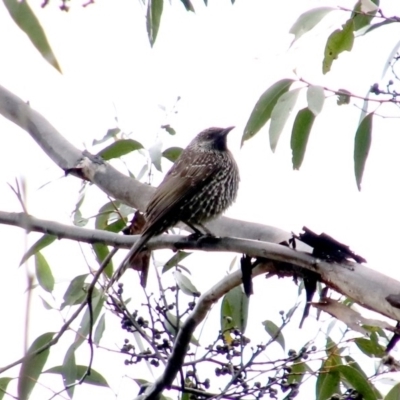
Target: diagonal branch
(119, 186)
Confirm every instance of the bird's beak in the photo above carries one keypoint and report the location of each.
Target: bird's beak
(227, 130)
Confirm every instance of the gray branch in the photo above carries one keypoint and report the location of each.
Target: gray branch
(115, 184)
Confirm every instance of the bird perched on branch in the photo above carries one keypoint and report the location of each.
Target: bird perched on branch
(199, 187)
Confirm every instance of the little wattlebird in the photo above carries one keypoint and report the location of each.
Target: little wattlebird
(199, 187)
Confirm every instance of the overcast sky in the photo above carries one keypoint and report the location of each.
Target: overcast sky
(218, 61)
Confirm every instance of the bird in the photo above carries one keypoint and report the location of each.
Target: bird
(199, 187)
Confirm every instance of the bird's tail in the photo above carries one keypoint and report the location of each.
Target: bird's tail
(133, 252)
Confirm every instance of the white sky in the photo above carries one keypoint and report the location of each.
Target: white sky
(218, 61)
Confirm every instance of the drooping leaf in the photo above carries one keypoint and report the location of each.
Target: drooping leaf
(175, 260)
(339, 41)
(43, 273)
(263, 108)
(101, 251)
(101, 326)
(362, 144)
(68, 373)
(371, 28)
(84, 327)
(3, 386)
(390, 58)
(78, 220)
(111, 133)
(24, 17)
(185, 284)
(43, 242)
(363, 13)
(188, 5)
(32, 366)
(357, 381)
(93, 379)
(300, 133)
(352, 363)
(274, 331)
(155, 155)
(75, 292)
(46, 305)
(315, 99)
(172, 153)
(328, 381)
(280, 114)
(119, 149)
(153, 19)
(234, 310)
(308, 21)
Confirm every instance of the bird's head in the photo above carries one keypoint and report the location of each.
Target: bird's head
(212, 139)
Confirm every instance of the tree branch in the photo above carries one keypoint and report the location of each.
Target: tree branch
(121, 187)
(366, 286)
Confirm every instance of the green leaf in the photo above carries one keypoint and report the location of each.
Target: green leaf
(362, 144)
(185, 284)
(69, 372)
(188, 5)
(280, 114)
(153, 19)
(24, 17)
(365, 17)
(32, 366)
(275, 332)
(370, 347)
(111, 133)
(308, 21)
(328, 381)
(101, 326)
(93, 379)
(43, 242)
(339, 41)
(84, 327)
(43, 273)
(104, 214)
(357, 381)
(101, 251)
(315, 99)
(172, 153)
(175, 260)
(300, 133)
(234, 310)
(119, 149)
(169, 129)
(298, 371)
(394, 393)
(343, 97)
(76, 291)
(263, 108)
(3, 386)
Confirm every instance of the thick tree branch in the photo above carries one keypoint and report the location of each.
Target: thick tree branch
(107, 178)
(366, 286)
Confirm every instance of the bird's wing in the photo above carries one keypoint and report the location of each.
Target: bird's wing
(181, 183)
